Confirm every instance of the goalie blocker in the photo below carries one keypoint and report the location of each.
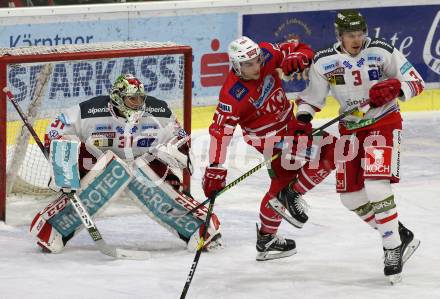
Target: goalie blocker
(56, 224)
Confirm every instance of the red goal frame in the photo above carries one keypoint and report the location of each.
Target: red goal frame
(186, 51)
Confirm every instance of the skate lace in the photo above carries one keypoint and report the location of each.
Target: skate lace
(301, 205)
(276, 239)
(392, 257)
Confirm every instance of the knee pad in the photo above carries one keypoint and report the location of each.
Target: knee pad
(354, 200)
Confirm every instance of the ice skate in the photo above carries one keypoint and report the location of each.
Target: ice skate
(271, 246)
(290, 200)
(393, 264)
(409, 243)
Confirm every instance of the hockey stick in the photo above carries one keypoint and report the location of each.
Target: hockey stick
(259, 166)
(85, 217)
(199, 248)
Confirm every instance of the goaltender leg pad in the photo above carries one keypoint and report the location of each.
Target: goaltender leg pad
(48, 237)
(63, 158)
(155, 197)
(103, 184)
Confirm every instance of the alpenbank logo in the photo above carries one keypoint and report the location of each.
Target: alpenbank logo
(94, 110)
(155, 109)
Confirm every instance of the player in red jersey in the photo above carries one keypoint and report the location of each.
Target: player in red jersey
(253, 97)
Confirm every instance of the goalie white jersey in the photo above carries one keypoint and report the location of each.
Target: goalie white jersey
(349, 80)
(94, 121)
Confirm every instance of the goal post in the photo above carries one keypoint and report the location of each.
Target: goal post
(46, 80)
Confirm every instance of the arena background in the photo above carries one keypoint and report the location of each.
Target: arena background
(209, 26)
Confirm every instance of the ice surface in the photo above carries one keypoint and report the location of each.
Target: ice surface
(338, 255)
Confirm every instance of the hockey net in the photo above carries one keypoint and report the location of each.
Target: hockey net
(46, 80)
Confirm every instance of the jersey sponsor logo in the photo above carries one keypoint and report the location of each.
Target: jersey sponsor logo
(405, 67)
(360, 62)
(121, 130)
(266, 55)
(150, 109)
(268, 84)
(330, 65)
(103, 127)
(104, 134)
(102, 142)
(149, 127)
(324, 53)
(94, 110)
(338, 71)
(238, 91)
(337, 80)
(351, 102)
(276, 103)
(347, 64)
(53, 134)
(374, 57)
(224, 107)
(378, 160)
(374, 74)
(145, 142)
(381, 44)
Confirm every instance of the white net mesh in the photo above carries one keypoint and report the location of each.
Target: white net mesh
(69, 83)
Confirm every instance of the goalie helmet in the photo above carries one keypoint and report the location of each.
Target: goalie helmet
(128, 97)
(349, 21)
(241, 50)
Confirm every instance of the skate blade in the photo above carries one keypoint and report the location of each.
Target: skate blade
(410, 249)
(394, 279)
(281, 210)
(267, 255)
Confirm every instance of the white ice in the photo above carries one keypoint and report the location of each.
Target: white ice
(338, 255)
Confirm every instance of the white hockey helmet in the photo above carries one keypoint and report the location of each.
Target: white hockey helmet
(240, 50)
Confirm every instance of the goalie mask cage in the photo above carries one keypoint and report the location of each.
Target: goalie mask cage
(46, 80)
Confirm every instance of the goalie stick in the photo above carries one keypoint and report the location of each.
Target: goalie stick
(85, 217)
(181, 213)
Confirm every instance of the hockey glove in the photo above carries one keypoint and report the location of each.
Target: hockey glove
(299, 127)
(214, 180)
(384, 92)
(294, 62)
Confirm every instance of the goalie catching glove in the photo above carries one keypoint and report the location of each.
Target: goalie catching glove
(172, 155)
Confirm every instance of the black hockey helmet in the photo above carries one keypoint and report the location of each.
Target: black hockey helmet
(349, 21)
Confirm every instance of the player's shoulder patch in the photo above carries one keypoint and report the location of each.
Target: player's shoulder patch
(95, 107)
(157, 108)
(224, 107)
(238, 91)
(324, 53)
(380, 43)
(267, 56)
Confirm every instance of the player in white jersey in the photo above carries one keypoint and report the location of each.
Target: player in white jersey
(358, 70)
(140, 130)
